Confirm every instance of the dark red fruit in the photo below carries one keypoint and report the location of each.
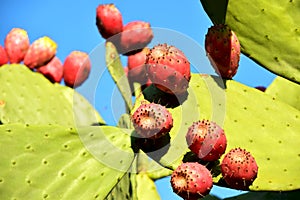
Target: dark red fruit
(53, 70)
(135, 36)
(152, 120)
(207, 140)
(191, 181)
(239, 168)
(168, 69)
(77, 67)
(137, 68)
(3, 56)
(108, 20)
(223, 50)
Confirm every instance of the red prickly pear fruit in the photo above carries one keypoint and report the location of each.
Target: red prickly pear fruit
(3, 56)
(77, 67)
(239, 169)
(152, 121)
(40, 52)
(207, 140)
(108, 20)
(136, 66)
(223, 50)
(168, 69)
(16, 45)
(53, 70)
(135, 36)
(191, 181)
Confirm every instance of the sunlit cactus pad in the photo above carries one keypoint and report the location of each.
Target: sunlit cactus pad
(268, 128)
(28, 97)
(50, 162)
(286, 91)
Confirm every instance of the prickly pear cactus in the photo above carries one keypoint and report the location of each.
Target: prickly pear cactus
(28, 97)
(275, 46)
(50, 162)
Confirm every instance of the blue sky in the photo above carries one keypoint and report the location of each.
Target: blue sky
(71, 23)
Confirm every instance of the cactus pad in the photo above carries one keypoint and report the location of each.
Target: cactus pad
(50, 162)
(28, 97)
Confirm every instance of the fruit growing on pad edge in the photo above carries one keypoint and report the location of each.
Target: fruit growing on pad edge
(16, 45)
(53, 70)
(3, 56)
(77, 67)
(108, 20)
(239, 168)
(168, 69)
(207, 140)
(152, 120)
(191, 181)
(223, 50)
(40, 52)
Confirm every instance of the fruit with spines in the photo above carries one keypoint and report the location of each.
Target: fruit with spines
(207, 140)
(76, 68)
(152, 120)
(223, 50)
(40, 52)
(108, 20)
(135, 36)
(53, 70)
(239, 168)
(16, 45)
(191, 181)
(168, 69)
(3, 56)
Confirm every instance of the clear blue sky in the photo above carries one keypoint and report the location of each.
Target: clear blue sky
(71, 23)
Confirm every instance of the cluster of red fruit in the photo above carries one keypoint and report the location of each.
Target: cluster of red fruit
(40, 56)
(207, 140)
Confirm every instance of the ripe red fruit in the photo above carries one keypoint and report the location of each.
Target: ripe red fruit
(40, 52)
(136, 66)
(207, 140)
(191, 181)
(108, 20)
(53, 70)
(223, 50)
(152, 120)
(168, 69)
(135, 36)
(77, 67)
(16, 45)
(3, 56)
(239, 168)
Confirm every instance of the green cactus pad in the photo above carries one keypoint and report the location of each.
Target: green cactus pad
(251, 119)
(116, 70)
(122, 190)
(291, 195)
(286, 91)
(50, 162)
(28, 97)
(268, 32)
(146, 189)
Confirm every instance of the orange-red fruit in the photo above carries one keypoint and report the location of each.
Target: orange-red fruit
(223, 50)
(135, 36)
(40, 52)
(168, 69)
(16, 45)
(136, 66)
(207, 140)
(239, 168)
(108, 20)
(53, 70)
(191, 181)
(77, 67)
(3, 56)
(152, 120)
